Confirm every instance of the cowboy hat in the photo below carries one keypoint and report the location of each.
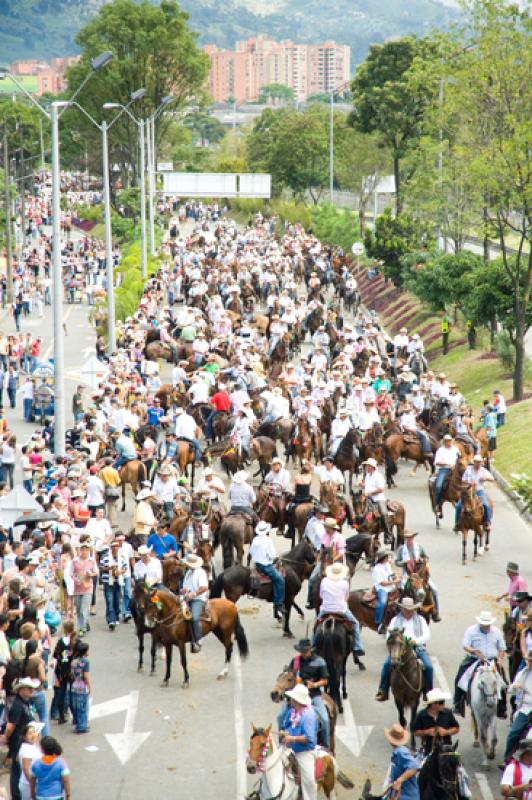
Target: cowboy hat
(277, 391)
(485, 618)
(518, 597)
(447, 437)
(478, 457)
(208, 472)
(144, 550)
(26, 683)
(525, 746)
(240, 477)
(144, 494)
(193, 561)
(343, 412)
(263, 528)
(330, 522)
(321, 510)
(436, 696)
(397, 735)
(277, 461)
(370, 462)
(407, 604)
(164, 471)
(381, 555)
(410, 534)
(337, 571)
(300, 694)
(512, 567)
(303, 645)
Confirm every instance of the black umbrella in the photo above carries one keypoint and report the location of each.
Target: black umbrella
(36, 516)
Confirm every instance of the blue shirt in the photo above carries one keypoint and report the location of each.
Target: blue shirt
(402, 760)
(307, 725)
(162, 544)
(490, 643)
(49, 778)
(154, 415)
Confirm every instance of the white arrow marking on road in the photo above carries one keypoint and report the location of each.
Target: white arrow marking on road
(440, 676)
(352, 735)
(483, 785)
(124, 744)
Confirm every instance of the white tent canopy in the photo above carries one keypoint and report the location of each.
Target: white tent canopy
(14, 504)
(93, 372)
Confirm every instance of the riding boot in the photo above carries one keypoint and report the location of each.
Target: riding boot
(459, 702)
(502, 712)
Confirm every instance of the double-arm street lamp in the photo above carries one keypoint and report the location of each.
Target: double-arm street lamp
(57, 281)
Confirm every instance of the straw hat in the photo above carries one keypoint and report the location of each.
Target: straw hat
(300, 694)
(407, 604)
(193, 561)
(397, 735)
(27, 683)
(436, 696)
(330, 522)
(382, 554)
(144, 550)
(337, 571)
(370, 462)
(144, 494)
(410, 534)
(486, 618)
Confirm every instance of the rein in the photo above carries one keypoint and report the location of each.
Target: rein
(402, 662)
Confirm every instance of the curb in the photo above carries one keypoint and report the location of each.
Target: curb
(511, 494)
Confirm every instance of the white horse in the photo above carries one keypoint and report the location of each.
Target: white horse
(484, 697)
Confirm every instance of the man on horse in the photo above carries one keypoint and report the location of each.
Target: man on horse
(241, 496)
(408, 557)
(300, 732)
(194, 590)
(186, 429)
(435, 722)
(334, 594)
(521, 688)
(416, 630)
(332, 541)
(278, 478)
(476, 476)
(278, 406)
(384, 581)
(444, 462)
(340, 427)
(262, 552)
(482, 642)
(125, 449)
(410, 426)
(148, 568)
(210, 486)
(220, 401)
(328, 473)
(374, 490)
(310, 669)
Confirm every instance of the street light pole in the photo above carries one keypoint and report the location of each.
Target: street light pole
(331, 149)
(7, 195)
(150, 186)
(109, 266)
(143, 251)
(57, 289)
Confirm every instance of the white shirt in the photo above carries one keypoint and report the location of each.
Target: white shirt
(526, 776)
(95, 491)
(126, 551)
(414, 628)
(340, 427)
(209, 488)
(152, 572)
(366, 419)
(262, 550)
(334, 596)
(185, 425)
(99, 530)
(165, 490)
(329, 475)
(373, 483)
(315, 531)
(446, 456)
(382, 572)
(196, 579)
(522, 688)
(199, 392)
(280, 479)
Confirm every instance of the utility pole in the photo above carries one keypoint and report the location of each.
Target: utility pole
(7, 199)
(57, 291)
(143, 249)
(109, 266)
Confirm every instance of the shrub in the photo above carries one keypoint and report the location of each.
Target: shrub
(523, 486)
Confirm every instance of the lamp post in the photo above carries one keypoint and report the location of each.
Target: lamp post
(152, 166)
(57, 279)
(334, 90)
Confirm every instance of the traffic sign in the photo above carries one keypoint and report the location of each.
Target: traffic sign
(357, 249)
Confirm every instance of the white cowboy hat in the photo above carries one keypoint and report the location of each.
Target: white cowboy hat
(337, 571)
(486, 618)
(408, 604)
(27, 683)
(371, 463)
(193, 561)
(240, 477)
(447, 437)
(277, 461)
(436, 696)
(277, 391)
(330, 522)
(409, 534)
(343, 412)
(300, 694)
(144, 550)
(477, 457)
(144, 494)
(263, 528)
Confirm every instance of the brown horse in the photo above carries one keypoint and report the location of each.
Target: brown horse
(452, 489)
(271, 507)
(406, 677)
(184, 457)
(167, 616)
(263, 449)
(286, 680)
(302, 442)
(338, 506)
(156, 350)
(363, 604)
(369, 519)
(236, 530)
(397, 446)
(179, 522)
(133, 472)
(512, 640)
(300, 517)
(471, 518)
(347, 457)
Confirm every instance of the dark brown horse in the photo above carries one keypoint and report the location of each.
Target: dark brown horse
(303, 441)
(263, 450)
(134, 472)
(138, 612)
(271, 507)
(347, 455)
(236, 530)
(338, 506)
(406, 676)
(164, 612)
(398, 446)
(334, 643)
(471, 518)
(370, 519)
(512, 640)
(452, 489)
(186, 457)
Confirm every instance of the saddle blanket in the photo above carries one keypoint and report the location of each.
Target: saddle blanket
(467, 677)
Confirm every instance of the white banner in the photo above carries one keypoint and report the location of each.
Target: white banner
(216, 184)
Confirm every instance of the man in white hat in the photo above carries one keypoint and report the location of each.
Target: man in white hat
(328, 473)
(278, 406)
(416, 630)
(481, 642)
(148, 568)
(435, 720)
(334, 594)
(476, 475)
(373, 484)
(241, 496)
(186, 428)
(210, 486)
(278, 478)
(195, 590)
(408, 557)
(340, 427)
(144, 519)
(444, 461)
(300, 729)
(409, 424)
(262, 552)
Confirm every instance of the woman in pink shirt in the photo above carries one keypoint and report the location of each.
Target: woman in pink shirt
(333, 539)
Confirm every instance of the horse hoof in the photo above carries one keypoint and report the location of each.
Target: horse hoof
(486, 548)
(221, 675)
(361, 666)
(164, 685)
(288, 635)
(480, 551)
(184, 685)
(476, 744)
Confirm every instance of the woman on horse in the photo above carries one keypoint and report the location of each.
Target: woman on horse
(408, 557)
(301, 493)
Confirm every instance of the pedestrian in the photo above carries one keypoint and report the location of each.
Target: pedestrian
(516, 583)
(50, 775)
(113, 567)
(80, 687)
(445, 324)
(521, 689)
(30, 751)
(499, 407)
(63, 654)
(19, 716)
(28, 391)
(12, 385)
(8, 460)
(84, 569)
(517, 777)
(33, 666)
(402, 778)
(111, 481)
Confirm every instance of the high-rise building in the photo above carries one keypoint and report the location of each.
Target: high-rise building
(258, 62)
(50, 77)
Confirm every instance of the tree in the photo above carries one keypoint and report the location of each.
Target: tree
(205, 128)
(442, 280)
(392, 239)
(277, 93)
(384, 101)
(153, 48)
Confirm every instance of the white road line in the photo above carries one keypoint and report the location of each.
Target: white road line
(241, 775)
(441, 680)
(483, 785)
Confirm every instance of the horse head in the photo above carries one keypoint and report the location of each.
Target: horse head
(467, 496)
(360, 504)
(153, 607)
(510, 631)
(416, 586)
(286, 680)
(396, 646)
(448, 764)
(487, 685)
(260, 742)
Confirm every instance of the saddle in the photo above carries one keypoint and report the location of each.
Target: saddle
(257, 580)
(410, 438)
(292, 766)
(335, 617)
(369, 598)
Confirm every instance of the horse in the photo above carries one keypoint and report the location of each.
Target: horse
(406, 676)
(338, 506)
(286, 681)
(512, 640)
(301, 559)
(300, 516)
(484, 697)
(471, 518)
(184, 457)
(236, 530)
(358, 545)
(438, 777)
(302, 442)
(334, 642)
(279, 773)
(397, 446)
(451, 489)
(134, 473)
(420, 581)
(369, 519)
(346, 457)
(137, 607)
(271, 507)
(157, 350)
(164, 614)
(237, 580)
(263, 450)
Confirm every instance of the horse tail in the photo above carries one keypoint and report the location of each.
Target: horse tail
(241, 639)
(227, 550)
(217, 586)
(141, 472)
(391, 466)
(330, 660)
(342, 778)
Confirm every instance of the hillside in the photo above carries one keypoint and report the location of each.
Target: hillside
(46, 28)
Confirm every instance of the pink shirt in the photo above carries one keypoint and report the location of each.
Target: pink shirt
(334, 596)
(517, 584)
(335, 541)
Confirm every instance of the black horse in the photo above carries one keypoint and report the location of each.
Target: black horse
(137, 607)
(334, 642)
(438, 777)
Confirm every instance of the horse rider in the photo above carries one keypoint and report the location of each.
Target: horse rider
(408, 555)
(220, 401)
(463, 428)
(242, 435)
(409, 424)
(373, 483)
(328, 473)
(384, 581)
(299, 731)
(278, 478)
(210, 486)
(125, 449)
(444, 461)
(262, 552)
(340, 427)
(517, 777)
(194, 590)
(521, 688)
(334, 595)
(241, 496)
(278, 406)
(435, 722)
(186, 428)
(482, 642)
(402, 774)
(165, 488)
(162, 543)
(148, 568)
(301, 493)
(333, 543)
(311, 670)
(144, 519)
(416, 630)
(476, 475)
(192, 534)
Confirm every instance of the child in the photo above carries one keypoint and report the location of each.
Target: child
(80, 687)
(490, 425)
(50, 773)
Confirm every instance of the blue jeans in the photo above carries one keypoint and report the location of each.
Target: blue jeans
(39, 702)
(321, 712)
(80, 711)
(27, 405)
(277, 582)
(197, 607)
(487, 510)
(126, 596)
(120, 461)
(441, 477)
(517, 730)
(312, 582)
(382, 599)
(209, 433)
(357, 644)
(195, 444)
(113, 597)
(421, 653)
(28, 485)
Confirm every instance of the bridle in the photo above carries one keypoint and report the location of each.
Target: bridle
(265, 770)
